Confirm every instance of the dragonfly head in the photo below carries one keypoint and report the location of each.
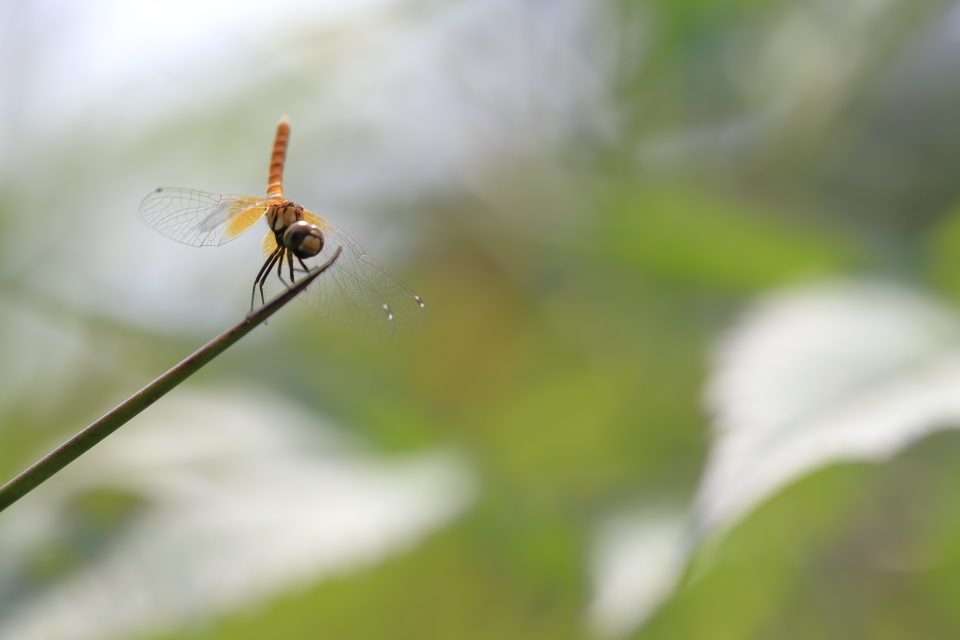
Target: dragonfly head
(303, 239)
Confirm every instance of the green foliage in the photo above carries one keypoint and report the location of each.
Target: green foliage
(450, 587)
(689, 237)
(942, 253)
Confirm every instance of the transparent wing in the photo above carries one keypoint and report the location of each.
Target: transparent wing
(356, 292)
(198, 218)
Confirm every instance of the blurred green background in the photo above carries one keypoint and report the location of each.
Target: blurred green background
(586, 194)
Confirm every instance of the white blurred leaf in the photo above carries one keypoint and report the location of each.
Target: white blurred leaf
(839, 372)
(637, 558)
(810, 376)
(244, 497)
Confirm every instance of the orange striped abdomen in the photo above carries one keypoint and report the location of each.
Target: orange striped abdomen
(275, 179)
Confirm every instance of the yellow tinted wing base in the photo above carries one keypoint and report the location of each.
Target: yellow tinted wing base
(245, 218)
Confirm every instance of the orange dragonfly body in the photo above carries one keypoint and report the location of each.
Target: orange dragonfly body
(355, 292)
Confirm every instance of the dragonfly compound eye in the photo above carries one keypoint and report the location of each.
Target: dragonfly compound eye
(305, 240)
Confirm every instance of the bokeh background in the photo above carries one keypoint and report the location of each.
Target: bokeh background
(642, 230)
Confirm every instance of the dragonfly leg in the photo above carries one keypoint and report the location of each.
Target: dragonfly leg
(303, 264)
(290, 265)
(280, 267)
(262, 277)
(278, 259)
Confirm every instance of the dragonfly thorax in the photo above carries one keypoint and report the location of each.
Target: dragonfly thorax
(305, 240)
(281, 215)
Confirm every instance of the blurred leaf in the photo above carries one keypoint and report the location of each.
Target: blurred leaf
(90, 523)
(710, 241)
(636, 559)
(684, 26)
(765, 563)
(942, 253)
(848, 371)
(237, 497)
(819, 375)
(451, 587)
(849, 551)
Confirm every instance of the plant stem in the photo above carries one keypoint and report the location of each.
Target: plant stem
(86, 439)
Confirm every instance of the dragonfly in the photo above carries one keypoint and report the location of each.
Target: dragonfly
(355, 292)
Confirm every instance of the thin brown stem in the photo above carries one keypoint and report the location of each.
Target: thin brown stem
(86, 439)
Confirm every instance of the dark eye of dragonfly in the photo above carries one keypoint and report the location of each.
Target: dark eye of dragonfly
(305, 240)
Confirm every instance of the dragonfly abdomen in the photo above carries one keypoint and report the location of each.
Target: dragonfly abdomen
(275, 178)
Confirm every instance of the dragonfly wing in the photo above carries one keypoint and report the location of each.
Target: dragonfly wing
(269, 244)
(332, 293)
(356, 292)
(199, 218)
